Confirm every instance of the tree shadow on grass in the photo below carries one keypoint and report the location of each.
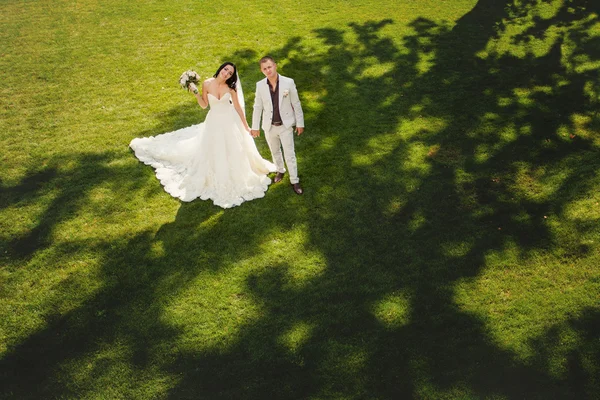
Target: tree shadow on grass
(64, 185)
(381, 320)
(413, 239)
(394, 234)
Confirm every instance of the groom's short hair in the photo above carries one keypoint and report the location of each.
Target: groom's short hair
(265, 59)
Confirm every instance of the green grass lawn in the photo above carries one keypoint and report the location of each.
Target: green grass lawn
(447, 245)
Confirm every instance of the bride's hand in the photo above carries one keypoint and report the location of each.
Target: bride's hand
(193, 88)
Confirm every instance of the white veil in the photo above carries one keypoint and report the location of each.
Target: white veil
(240, 93)
(240, 96)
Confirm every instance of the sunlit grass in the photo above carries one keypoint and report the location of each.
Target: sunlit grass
(446, 247)
(513, 290)
(393, 311)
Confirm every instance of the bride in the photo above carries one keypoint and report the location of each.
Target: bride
(216, 159)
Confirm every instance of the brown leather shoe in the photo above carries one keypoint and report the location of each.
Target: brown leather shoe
(278, 177)
(297, 188)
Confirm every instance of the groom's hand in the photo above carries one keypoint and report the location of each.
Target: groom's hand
(299, 131)
(255, 133)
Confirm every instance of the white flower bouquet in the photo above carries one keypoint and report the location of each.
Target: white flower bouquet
(188, 77)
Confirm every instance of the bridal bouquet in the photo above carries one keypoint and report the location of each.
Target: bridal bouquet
(188, 77)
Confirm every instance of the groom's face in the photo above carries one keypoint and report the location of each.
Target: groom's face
(269, 68)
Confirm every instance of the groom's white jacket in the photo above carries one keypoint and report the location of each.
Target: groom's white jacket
(289, 105)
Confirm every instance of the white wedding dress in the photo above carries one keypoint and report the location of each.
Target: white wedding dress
(215, 160)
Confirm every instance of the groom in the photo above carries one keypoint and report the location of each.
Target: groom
(277, 101)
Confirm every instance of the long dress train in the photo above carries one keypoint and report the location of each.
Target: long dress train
(215, 160)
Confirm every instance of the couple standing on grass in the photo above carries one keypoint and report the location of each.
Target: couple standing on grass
(218, 158)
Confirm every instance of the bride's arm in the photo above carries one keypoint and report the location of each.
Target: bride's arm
(238, 108)
(201, 97)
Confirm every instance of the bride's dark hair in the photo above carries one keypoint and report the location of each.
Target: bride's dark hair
(231, 81)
